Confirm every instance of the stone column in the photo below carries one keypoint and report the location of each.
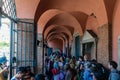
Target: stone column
(39, 53)
(104, 48)
(81, 46)
(96, 43)
(94, 56)
(70, 47)
(67, 45)
(73, 47)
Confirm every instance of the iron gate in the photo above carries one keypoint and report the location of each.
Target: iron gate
(22, 46)
(22, 42)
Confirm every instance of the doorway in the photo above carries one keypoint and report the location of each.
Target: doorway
(77, 47)
(87, 49)
(89, 44)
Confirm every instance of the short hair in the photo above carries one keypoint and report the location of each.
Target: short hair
(21, 69)
(113, 64)
(27, 68)
(93, 61)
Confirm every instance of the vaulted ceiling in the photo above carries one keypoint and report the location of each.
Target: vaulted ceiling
(26, 8)
(61, 18)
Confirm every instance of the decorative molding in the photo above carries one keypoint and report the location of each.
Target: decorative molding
(76, 34)
(89, 36)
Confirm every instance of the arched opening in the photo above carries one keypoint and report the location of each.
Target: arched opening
(5, 38)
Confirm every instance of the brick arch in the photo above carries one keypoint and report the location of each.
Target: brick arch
(49, 14)
(81, 18)
(54, 43)
(45, 17)
(26, 8)
(54, 28)
(110, 6)
(70, 6)
(65, 19)
(116, 31)
(59, 34)
(92, 24)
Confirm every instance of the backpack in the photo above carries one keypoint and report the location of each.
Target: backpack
(102, 72)
(62, 75)
(55, 71)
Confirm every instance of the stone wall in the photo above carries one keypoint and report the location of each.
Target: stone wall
(103, 50)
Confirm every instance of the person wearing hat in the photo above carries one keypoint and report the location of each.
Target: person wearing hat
(3, 68)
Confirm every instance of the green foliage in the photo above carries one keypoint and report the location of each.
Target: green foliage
(4, 44)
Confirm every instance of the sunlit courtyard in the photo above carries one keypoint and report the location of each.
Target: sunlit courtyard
(5, 38)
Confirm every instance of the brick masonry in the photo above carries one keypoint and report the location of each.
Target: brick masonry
(104, 48)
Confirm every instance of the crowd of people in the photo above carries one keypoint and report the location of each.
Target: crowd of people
(60, 67)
